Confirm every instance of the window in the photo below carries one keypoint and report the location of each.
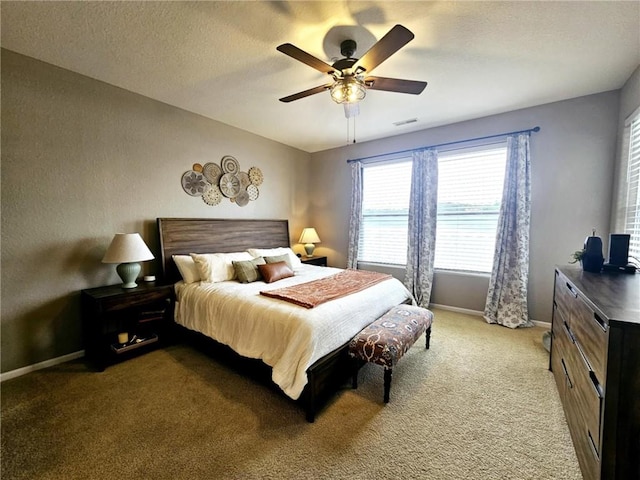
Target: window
(470, 185)
(628, 202)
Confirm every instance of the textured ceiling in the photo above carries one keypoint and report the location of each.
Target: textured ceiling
(219, 59)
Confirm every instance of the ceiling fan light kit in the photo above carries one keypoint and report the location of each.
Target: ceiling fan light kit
(349, 75)
(350, 89)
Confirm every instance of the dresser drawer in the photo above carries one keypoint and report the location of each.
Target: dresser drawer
(584, 444)
(564, 296)
(559, 346)
(588, 394)
(592, 335)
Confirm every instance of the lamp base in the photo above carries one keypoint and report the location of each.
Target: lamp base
(309, 248)
(128, 272)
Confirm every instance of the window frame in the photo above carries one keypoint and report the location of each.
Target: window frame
(406, 157)
(629, 159)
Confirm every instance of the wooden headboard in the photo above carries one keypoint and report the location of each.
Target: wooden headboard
(182, 236)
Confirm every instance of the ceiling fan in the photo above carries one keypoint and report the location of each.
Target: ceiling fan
(351, 76)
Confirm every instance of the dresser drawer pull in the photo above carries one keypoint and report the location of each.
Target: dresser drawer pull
(569, 332)
(596, 384)
(592, 444)
(573, 292)
(600, 321)
(566, 373)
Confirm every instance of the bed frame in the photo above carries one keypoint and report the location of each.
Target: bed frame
(206, 235)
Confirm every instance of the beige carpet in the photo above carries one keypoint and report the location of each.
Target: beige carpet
(480, 404)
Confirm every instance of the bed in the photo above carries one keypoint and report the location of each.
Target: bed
(304, 348)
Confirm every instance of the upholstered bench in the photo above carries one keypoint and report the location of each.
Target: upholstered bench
(387, 339)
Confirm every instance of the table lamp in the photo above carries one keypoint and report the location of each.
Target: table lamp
(127, 249)
(309, 237)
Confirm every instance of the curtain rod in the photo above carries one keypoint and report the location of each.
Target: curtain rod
(529, 130)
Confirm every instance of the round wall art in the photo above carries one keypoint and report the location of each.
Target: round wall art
(213, 182)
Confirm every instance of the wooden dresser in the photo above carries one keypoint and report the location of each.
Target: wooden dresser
(595, 359)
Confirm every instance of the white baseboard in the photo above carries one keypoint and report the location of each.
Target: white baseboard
(457, 309)
(39, 366)
(537, 323)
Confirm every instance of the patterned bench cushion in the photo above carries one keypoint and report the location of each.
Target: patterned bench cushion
(386, 340)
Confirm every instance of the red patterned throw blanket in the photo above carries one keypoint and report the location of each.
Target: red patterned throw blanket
(312, 294)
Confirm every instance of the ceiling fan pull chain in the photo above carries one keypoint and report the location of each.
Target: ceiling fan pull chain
(354, 129)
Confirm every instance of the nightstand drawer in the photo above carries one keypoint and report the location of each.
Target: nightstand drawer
(319, 261)
(134, 299)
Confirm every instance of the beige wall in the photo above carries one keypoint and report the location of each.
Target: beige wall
(572, 174)
(82, 160)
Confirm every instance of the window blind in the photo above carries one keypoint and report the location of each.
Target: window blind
(469, 195)
(631, 217)
(385, 212)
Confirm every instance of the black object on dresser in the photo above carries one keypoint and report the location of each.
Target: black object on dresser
(320, 261)
(144, 312)
(595, 359)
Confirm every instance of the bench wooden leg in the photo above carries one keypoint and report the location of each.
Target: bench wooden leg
(427, 336)
(387, 384)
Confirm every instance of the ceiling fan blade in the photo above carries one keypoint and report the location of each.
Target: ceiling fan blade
(304, 57)
(394, 40)
(395, 85)
(306, 93)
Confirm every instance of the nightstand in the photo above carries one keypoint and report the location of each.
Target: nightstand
(144, 312)
(319, 261)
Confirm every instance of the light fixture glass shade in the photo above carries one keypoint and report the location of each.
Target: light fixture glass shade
(127, 249)
(309, 236)
(350, 89)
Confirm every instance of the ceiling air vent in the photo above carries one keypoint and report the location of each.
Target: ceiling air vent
(405, 122)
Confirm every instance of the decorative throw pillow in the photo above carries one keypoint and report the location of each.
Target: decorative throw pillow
(279, 258)
(294, 261)
(218, 267)
(247, 270)
(275, 271)
(187, 268)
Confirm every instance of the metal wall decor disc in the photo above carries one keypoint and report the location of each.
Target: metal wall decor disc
(255, 174)
(242, 198)
(253, 192)
(229, 185)
(230, 164)
(193, 183)
(211, 195)
(245, 181)
(212, 172)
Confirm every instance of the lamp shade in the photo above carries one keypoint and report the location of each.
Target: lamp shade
(127, 248)
(309, 235)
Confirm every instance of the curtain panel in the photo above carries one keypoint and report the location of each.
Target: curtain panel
(355, 217)
(507, 295)
(423, 215)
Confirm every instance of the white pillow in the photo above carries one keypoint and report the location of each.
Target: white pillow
(274, 252)
(218, 267)
(187, 268)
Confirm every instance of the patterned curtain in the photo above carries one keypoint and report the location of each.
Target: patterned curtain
(423, 212)
(507, 295)
(356, 214)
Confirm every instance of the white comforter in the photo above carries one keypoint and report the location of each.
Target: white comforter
(287, 337)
